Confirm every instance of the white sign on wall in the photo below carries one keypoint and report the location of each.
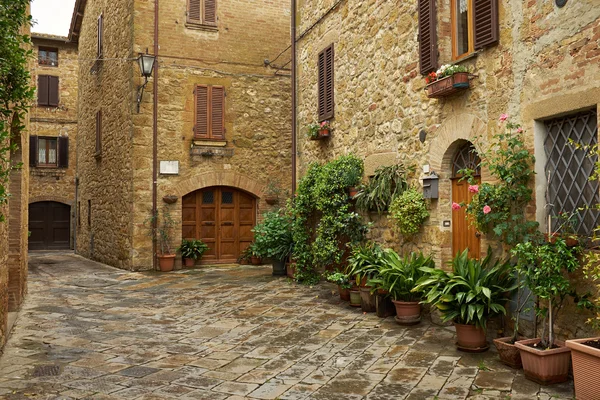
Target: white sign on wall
(169, 167)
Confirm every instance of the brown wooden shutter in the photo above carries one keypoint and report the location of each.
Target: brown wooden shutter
(201, 112)
(63, 152)
(53, 91)
(217, 112)
(485, 19)
(428, 48)
(326, 84)
(33, 151)
(210, 12)
(99, 132)
(194, 11)
(42, 90)
(101, 36)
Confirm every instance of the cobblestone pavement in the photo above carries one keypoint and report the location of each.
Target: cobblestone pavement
(94, 332)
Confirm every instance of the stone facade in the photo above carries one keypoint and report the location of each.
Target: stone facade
(546, 63)
(257, 141)
(53, 183)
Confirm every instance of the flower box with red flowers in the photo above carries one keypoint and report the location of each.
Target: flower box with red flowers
(447, 81)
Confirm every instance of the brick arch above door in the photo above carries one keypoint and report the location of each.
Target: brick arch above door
(220, 178)
(57, 199)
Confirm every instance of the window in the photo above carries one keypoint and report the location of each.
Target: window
(209, 112)
(47, 91)
(98, 152)
(570, 189)
(462, 35)
(78, 214)
(48, 56)
(326, 89)
(202, 12)
(101, 36)
(49, 151)
(89, 213)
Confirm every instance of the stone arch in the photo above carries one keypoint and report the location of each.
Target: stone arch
(220, 178)
(57, 199)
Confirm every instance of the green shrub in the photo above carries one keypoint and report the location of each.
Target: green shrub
(409, 212)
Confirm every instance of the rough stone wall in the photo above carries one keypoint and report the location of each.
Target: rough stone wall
(106, 181)
(57, 184)
(546, 64)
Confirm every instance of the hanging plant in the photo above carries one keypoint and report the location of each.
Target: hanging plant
(387, 183)
(409, 212)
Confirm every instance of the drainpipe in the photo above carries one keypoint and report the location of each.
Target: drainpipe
(294, 122)
(155, 138)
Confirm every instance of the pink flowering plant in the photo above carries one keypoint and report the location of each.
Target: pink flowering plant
(315, 127)
(499, 208)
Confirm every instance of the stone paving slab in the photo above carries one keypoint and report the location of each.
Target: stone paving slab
(88, 331)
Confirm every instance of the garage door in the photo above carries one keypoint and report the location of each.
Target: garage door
(223, 218)
(49, 224)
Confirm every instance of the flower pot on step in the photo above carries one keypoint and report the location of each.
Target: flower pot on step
(586, 367)
(166, 262)
(367, 300)
(255, 260)
(291, 270)
(407, 312)
(384, 306)
(545, 366)
(279, 268)
(470, 338)
(189, 262)
(355, 298)
(344, 293)
(509, 353)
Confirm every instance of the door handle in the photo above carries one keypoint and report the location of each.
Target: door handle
(227, 223)
(209, 223)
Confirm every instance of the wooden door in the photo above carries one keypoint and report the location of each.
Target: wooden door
(221, 217)
(49, 224)
(464, 234)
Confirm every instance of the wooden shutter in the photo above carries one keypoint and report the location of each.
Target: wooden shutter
(63, 152)
(42, 90)
(99, 132)
(210, 12)
(33, 151)
(217, 112)
(485, 20)
(194, 11)
(326, 84)
(428, 48)
(101, 36)
(201, 112)
(53, 91)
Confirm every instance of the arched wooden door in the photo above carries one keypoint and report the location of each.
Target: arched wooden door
(50, 226)
(464, 233)
(223, 218)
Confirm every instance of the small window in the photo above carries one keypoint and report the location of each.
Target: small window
(47, 90)
(89, 213)
(47, 156)
(462, 35)
(78, 213)
(227, 198)
(49, 152)
(209, 120)
(474, 26)
(202, 12)
(100, 36)
(98, 152)
(48, 56)
(326, 83)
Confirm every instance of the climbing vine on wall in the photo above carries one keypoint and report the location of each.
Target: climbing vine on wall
(16, 92)
(324, 219)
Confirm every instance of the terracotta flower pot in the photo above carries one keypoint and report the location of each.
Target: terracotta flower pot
(470, 338)
(509, 353)
(189, 262)
(586, 368)
(545, 366)
(384, 306)
(324, 133)
(344, 293)
(271, 200)
(355, 298)
(291, 270)
(166, 262)
(255, 260)
(367, 300)
(407, 312)
(352, 191)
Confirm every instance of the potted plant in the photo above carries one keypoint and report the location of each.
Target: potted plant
(343, 283)
(191, 251)
(164, 227)
(363, 264)
(399, 276)
(409, 211)
(273, 239)
(245, 256)
(387, 183)
(272, 193)
(319, 131)
(545, 359)
(255, 258)
(447, 80)
(468, 295)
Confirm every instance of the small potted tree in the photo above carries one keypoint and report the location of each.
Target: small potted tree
(272, 193)
(273, 239)
(191, 251)
(343, 283)
(164, 228)
(546, 360)
(363, 264)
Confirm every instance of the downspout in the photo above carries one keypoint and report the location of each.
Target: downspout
(294, 118)
(155, 139)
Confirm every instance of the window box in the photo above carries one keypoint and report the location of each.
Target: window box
(321, 134)
(449, 85)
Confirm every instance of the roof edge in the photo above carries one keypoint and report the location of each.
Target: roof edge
(76, 20)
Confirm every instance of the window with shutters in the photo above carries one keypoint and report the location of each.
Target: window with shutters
(98, 152)
(48, 56)
(202, 13)
(474, 26)
(100, 46)
(49, 152)
(326, 84)
(209, 112)
(47, 90)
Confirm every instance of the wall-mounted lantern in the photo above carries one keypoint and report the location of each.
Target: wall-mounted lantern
(146, 63)
(431, 186)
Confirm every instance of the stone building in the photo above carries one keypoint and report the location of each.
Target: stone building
(537, 61)
(52, 143)
(213, 123)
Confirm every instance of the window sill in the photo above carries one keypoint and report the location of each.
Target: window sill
(209, 143)
(466, 57)
(201, 27)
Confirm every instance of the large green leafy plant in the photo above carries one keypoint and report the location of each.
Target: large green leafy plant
(192, 249)
(16, 91)
(323, 220)
(273, 236)
(387, 183)
(409, 212)
(472, 292)
(365, 261)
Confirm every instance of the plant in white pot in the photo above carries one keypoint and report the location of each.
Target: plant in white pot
(546, 360)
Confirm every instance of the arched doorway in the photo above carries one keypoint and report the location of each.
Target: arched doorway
(464, 234)
(50, 226)
(223, 218)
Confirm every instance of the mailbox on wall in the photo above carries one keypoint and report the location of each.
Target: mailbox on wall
(431, 186)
